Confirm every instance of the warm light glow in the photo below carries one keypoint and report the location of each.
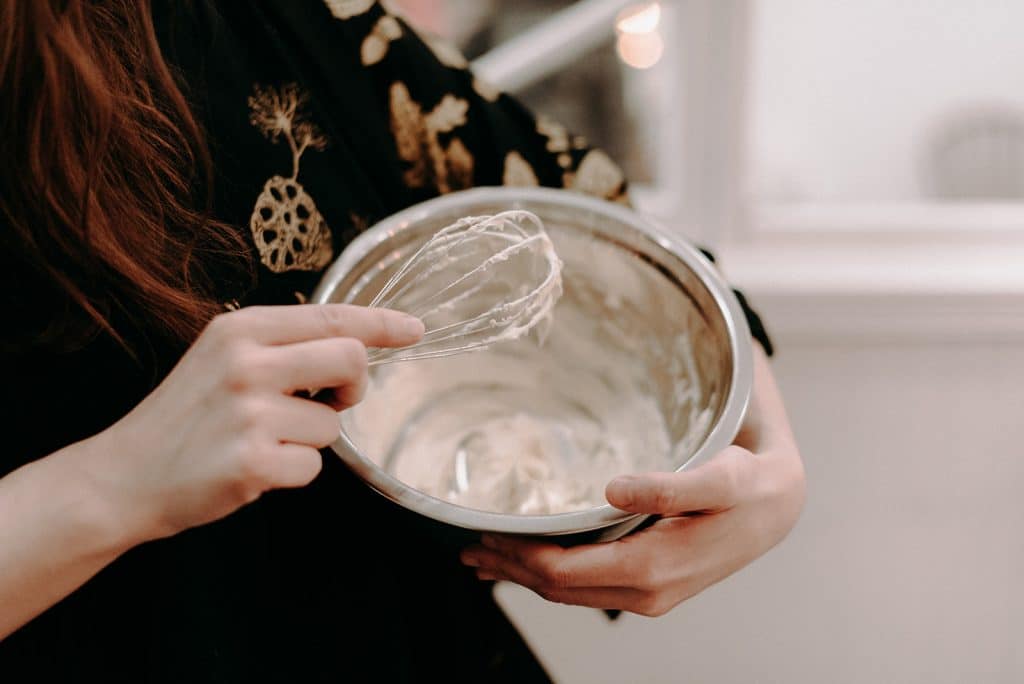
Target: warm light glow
(639, 19)
(639, 44)
(640, 51)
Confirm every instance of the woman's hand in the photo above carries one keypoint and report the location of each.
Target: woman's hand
(714, 520)
(222, 428)
(225, 425)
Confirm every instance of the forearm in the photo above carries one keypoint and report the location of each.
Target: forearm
(770, 407)
(767, 434)
(56, 531)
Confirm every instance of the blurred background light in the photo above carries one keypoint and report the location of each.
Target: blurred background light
(639, 44)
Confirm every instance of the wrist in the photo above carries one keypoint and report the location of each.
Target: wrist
(57, 530)
(99, 502)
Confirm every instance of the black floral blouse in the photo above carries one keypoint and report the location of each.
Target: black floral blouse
(323, 116)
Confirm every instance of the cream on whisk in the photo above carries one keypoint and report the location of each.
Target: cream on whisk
(479, 281)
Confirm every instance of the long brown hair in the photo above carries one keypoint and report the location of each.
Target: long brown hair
(101, 165)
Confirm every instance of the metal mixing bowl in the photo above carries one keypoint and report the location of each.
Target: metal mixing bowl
(664, 287)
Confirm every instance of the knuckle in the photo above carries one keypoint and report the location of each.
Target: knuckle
(540, 565)
(549, 593)
(250, 490)
(563, 578)
(353, 354)
(249, 415)
(244, 492)
(553, 573)
(327, 427)
(537, 561)
(389, 326)
(233, 324)
(662, 497)
(220, 326)
(652, 605)
(332, 317)
(241, 367)
(313, 465)
(357, 390)
(252, 466)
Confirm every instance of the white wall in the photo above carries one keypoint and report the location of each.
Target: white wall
(907, 564)
(845, 94)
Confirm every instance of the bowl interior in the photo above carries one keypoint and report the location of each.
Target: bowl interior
(632, 314)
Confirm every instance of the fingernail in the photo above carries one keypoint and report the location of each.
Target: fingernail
(412, 326)
(621, 490)
(489, 541)
(485, 575)
(470, 560)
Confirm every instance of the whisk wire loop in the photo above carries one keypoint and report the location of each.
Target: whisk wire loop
(478, 281)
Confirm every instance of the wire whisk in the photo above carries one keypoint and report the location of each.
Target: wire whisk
(478, 281)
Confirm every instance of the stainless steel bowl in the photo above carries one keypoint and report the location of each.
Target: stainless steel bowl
(671, 288)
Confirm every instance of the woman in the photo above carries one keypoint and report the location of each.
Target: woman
(169, 172)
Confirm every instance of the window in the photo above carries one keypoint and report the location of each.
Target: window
(854, 162)
(886, 115)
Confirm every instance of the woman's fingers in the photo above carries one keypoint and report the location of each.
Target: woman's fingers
(298, 347)
(296, 465)
(492, 565)
(715, 486)
(302, 422)
(602, 598)
(592, 565)
(487, 560)
(336, 362)
(657, 567)
(303, 322)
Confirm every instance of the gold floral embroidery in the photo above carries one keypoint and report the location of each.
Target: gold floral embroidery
(289, 231)
(375, 45)
(557, 135)
(444, 50)
(518, 171)
(459, 166)
(417, 139)
(486, 90)
(598, 175)
(346, 9)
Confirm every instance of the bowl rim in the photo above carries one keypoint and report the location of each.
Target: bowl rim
(721, 436)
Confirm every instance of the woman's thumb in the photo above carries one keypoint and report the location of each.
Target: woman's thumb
(717, 485)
